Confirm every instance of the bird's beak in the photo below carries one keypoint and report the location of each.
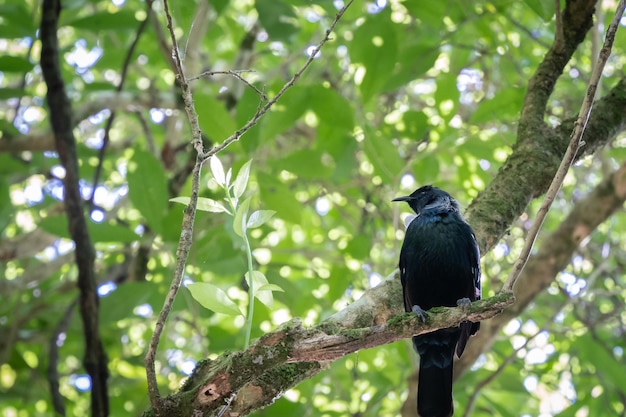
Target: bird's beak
(404, 198)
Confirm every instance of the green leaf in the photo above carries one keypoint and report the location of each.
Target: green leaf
(218, 170)
(415, 124)
(122, 20)
(15, 64)
(262, 293)
(270, 287)
(229, 175)
(182, 200)
(10, 92)
(213, 298)
(426, 169)
(505, 105)
(247, 106)
(208, 204)
(215, 121)
(147, 188)
(6, 208)
(204, 204)
(384, 156)
(447, 93)
(375, 45)
(331, 107)
(259, 217)
(543, 8)
(239, 186)
(277, 18)
(417, 57)
(17, 21)
(240, 220)
(306, 163)
(277, 195)
(285, 112)
(120, 304)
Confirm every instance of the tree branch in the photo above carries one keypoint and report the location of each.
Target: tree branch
(94, 360)
(517, 183)
(281, 359)
(572, 148)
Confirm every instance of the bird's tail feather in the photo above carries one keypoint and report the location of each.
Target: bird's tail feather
(434, 389)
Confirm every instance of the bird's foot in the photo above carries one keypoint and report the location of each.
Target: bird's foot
(464, 303)
(420, 312)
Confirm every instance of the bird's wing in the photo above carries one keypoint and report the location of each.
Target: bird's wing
(403, 279)
(469, 328)
(476, 266)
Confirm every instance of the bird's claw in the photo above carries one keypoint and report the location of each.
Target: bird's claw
(464, 303)
(420, 312)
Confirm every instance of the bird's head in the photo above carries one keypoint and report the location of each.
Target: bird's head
(429, 197)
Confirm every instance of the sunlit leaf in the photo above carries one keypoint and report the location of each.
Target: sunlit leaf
(241, 217)
(543, 8)
(270, 287)
(262, 289)
(204, 204)
(182, 200)
(213, 298)
(229, 175)
(259, 217)
(239, 186)
(217, 169)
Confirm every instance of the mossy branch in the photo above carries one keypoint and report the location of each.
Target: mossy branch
(281, 359)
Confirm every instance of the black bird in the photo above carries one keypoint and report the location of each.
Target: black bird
(439, 266)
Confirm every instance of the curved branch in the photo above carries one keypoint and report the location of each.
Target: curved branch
(537, 145)
(281, 359)
(572, 148)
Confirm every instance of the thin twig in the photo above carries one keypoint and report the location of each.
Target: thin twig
(572, 149)
(196, 133)
(206, 74)
(234, 73)
(184, 244)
